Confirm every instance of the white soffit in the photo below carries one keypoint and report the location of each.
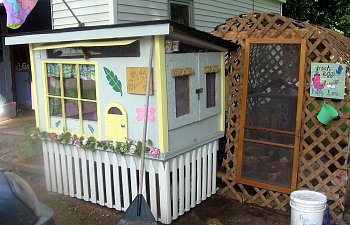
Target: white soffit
(84, 44)
(90, 34)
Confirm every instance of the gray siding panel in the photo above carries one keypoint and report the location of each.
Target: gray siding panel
(210, 13)
(142, 10)
(89, 12)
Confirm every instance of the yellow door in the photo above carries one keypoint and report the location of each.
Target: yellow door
(116, 125)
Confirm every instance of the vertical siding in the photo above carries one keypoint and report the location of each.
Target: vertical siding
(210, 13)
(89, 12)
(141, 10)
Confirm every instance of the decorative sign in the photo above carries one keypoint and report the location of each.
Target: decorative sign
(327, 80)
(211, 69)
(183, 71)
(136, 80)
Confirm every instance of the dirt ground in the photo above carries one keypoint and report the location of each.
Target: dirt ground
(214, 211)
(15, 148)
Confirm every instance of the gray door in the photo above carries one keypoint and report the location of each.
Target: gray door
(6, 94)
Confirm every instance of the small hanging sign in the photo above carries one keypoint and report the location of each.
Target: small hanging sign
(136, 80)
(182, 71)
(211, 69)
(327, 80)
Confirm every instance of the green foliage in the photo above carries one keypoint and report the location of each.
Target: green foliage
(64, 138)
(113, 80)
(30, 148)
(333, 14)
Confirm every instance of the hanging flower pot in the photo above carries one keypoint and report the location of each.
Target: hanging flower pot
(327, 114)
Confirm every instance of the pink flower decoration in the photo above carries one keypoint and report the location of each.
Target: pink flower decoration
(77, 143)
(27, 4)
(34, 136)
(53, 137)
(141, 114)
(155, 152)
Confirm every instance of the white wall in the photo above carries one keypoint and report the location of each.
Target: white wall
(207, 13)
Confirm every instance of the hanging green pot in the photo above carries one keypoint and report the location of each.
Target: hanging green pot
(327, 114)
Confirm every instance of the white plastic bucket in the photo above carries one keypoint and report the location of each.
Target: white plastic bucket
(307, 207)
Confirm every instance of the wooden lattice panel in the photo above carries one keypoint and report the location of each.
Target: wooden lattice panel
(323, 157)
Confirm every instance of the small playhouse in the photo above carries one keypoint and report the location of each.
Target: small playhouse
(278, 141)
(90, 87)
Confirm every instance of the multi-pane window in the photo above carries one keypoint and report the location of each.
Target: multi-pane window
(181, 12)
(72, 97)
(182, 97)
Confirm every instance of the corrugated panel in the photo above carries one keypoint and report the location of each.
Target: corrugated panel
(88, 12)
(141, 10)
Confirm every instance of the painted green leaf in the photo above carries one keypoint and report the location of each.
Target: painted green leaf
(91, 128)
(113, 80)
(58, 123)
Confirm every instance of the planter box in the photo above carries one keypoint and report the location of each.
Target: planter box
(172, 186)
(7, 111)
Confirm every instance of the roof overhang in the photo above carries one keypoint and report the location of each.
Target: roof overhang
(119, 31)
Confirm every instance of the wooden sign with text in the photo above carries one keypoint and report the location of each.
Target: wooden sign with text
(136, 80)
(327, 80)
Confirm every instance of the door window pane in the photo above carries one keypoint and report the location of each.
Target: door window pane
(210, 86)
(182, 95)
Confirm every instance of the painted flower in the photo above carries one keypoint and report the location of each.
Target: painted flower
(27, 4)
(77, 143)
(85, 141)
(54, 137)
(155, 152)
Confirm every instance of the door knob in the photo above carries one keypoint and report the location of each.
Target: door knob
(122, 125)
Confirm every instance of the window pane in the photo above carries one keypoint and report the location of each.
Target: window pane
(70, 88)
(180, 13)
(87, 81)
(72, 115)
(115, 110)
(55, 107)
(88, 89)
(89, 111)
(182, 95)
(54, 87)
(210, 85)
(72, 109)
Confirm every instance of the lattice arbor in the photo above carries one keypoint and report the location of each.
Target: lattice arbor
(320, 160)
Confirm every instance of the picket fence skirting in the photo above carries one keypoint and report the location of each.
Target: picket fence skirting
(171, 187)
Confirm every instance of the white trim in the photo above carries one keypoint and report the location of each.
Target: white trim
(94, 34)
(113, 11)
(85, 44)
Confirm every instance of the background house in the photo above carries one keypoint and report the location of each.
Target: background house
(201, 14)
(15, 74)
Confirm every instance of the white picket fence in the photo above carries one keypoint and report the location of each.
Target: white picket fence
(171, 187)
